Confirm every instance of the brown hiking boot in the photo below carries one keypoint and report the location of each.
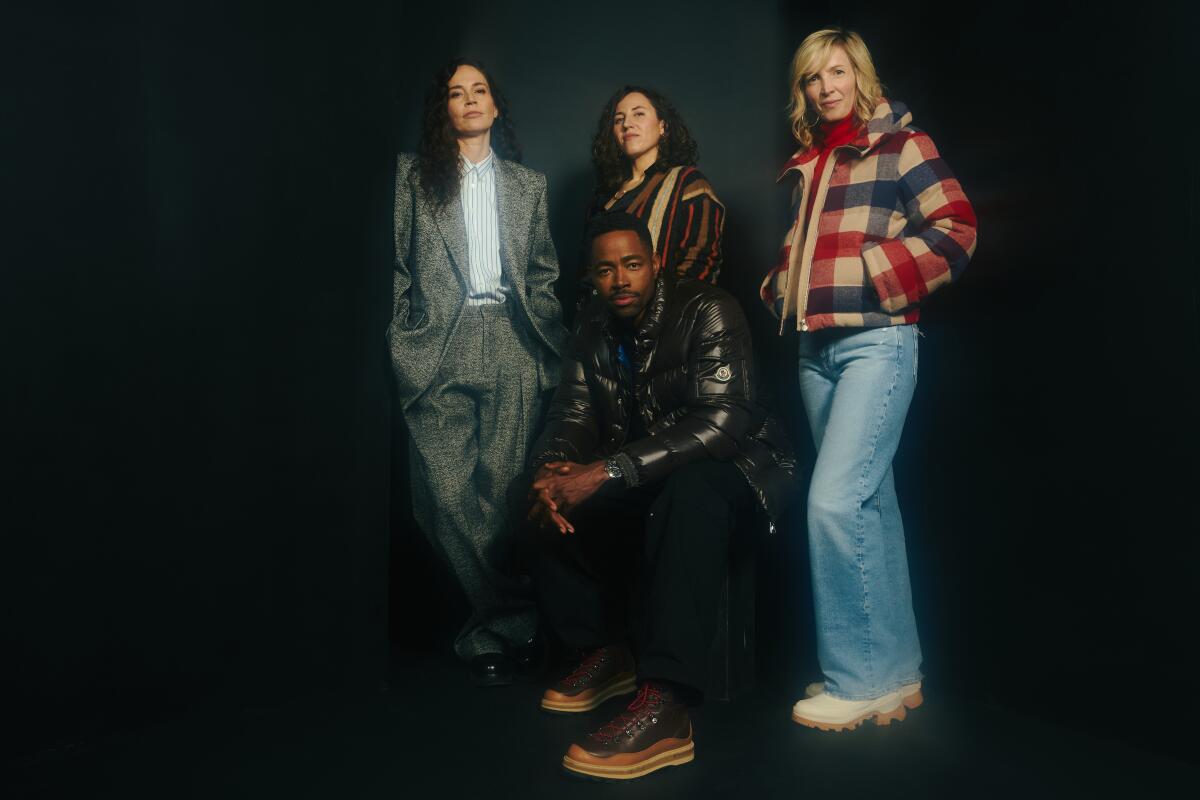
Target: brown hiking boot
(603, 673)
(654, 732)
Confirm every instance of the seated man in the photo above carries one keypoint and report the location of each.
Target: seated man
(654, 448)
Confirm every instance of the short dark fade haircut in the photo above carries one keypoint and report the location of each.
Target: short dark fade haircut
(611, 223)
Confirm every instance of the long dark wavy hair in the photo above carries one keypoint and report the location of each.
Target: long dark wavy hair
(437, 154)
(676, 148)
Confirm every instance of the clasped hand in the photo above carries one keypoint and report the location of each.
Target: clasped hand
(559, 486)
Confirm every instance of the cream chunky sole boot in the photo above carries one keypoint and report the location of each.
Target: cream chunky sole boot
(912, 693)
(827, 713)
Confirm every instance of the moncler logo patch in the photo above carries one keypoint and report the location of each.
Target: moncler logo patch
(724, 374)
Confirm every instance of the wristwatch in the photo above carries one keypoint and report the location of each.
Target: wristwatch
(612, 469)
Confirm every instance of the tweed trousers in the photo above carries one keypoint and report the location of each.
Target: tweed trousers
(469, 434)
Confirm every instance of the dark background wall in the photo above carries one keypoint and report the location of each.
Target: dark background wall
(203, 474)
(196, 405)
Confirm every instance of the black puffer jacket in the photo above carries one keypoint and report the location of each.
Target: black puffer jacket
(696, 392)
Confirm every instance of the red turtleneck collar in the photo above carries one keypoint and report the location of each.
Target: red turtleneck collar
(836, 133)
(828, 136)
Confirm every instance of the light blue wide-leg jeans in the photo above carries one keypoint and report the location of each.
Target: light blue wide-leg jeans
(857, 386)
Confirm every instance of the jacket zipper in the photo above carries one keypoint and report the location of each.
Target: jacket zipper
(810, 242)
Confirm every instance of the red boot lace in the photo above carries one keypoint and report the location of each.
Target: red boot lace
(587, 667)
(648, 700)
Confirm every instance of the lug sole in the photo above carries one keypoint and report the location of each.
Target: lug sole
(880, 718)
(674, 757)
(626, 685)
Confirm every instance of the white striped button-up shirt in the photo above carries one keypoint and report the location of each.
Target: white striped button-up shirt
(485, 279)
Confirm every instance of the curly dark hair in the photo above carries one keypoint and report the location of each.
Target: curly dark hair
(437, 153)
(676, 148)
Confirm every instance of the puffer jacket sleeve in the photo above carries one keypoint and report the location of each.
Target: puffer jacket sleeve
(940, 235)
(571, 433)
(720, 409)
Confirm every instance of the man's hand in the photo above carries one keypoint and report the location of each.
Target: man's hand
(567, 484)
(544, 510)
(546, 470)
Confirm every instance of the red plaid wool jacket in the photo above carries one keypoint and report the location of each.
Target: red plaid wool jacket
(893, 225)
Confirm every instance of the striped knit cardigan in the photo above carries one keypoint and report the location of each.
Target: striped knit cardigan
(893, 225)
(684, 216)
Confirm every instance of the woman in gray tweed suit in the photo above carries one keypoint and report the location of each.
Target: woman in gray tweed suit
(475, 339)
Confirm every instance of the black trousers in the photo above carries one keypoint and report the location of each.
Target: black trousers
(643, 566)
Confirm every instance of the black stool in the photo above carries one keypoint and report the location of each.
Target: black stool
(731, 660)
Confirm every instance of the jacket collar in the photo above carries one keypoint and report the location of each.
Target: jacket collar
(890, 117)
(647, 333)
(653, 321)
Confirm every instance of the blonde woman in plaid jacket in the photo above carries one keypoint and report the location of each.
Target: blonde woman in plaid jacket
(879, 223)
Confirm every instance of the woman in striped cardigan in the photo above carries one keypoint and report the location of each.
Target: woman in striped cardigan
(879, 222)
(645, 163)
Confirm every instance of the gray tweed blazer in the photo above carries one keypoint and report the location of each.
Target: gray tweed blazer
(429, 287)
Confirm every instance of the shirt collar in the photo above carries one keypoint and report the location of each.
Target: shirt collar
(482, 168)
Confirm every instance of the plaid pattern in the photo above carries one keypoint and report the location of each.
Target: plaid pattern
(892, 225)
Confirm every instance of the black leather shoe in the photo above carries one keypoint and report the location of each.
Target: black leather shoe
(491, 669)
(528, 659)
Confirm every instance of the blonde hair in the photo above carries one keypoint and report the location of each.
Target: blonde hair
(811, 56)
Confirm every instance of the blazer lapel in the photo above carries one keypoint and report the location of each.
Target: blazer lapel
(513, 217)
(450, 223)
